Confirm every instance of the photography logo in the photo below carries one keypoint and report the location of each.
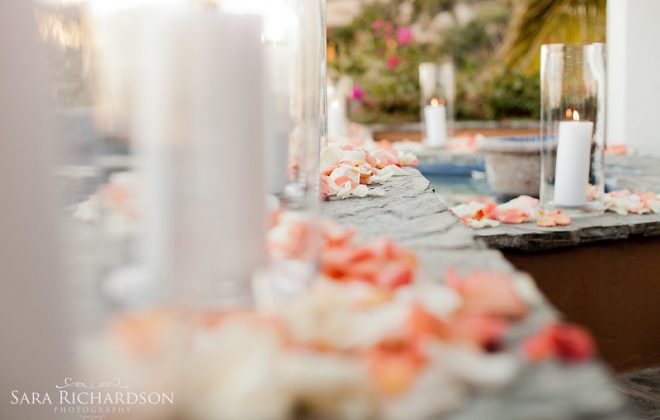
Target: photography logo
(92, 401)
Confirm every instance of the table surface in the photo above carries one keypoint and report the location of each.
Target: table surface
(638, 173)
(414, 215)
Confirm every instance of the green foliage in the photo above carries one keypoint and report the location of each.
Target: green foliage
(514, 95)
(549, 21)
(366, 45)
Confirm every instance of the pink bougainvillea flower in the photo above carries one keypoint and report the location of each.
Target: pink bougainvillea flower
(570, 343)
(393, 62)
(377, 25)
(357, 94)
(404, 35)
(487, 292)
(553, 218)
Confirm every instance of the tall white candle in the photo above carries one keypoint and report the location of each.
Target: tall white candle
(200, 125)
(277, 116)
(33, 300)
(435, 122)
(573, 162)
(337, 121)
(114, 26)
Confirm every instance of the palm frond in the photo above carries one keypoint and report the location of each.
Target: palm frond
(538, 22)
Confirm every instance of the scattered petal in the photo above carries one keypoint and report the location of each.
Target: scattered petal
(570, 343)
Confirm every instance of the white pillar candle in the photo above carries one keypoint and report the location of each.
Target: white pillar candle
(435, 122)
(277, 116)
(573, 162)
(200, 125)
(34, 300)
(114, 26)
(337, 121)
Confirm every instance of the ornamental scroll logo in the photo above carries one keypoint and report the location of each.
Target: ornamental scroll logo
(92, 401)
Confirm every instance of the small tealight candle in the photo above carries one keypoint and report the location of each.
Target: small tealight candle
(435, 119)
(337, 122)
(573, 161)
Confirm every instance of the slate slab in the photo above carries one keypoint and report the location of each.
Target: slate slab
(412, 213)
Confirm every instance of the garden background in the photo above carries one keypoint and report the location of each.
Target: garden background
(494, 45)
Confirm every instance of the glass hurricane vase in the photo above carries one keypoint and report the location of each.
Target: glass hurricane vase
(573, 92)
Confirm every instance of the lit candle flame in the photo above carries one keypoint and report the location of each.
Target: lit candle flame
(576, 116)
(436, 102)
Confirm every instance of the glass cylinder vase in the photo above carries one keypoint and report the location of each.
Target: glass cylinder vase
(437, 83)
(294, 258)
(573, 93)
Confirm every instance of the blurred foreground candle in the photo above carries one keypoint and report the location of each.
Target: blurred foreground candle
(277, 116)
(435, 122)
(200, 126)
(573, 161)
(279, 26)
(114, 26)
(294, 46)
(33, 295)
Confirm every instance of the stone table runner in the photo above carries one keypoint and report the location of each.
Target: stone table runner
(638, 173)
(413, 214)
